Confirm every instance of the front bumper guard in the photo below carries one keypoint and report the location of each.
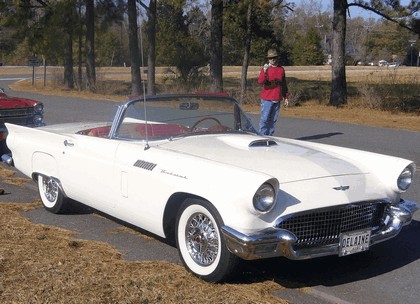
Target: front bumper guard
(275, 242)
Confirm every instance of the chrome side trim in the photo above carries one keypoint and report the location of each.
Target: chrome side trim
(274, 242)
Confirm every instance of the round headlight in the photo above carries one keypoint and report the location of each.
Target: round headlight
(405, 179)
(265, 198)
(39, 108)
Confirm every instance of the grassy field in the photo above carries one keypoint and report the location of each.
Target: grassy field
(378, 96)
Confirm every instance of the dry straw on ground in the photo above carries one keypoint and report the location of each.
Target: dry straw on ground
(7, 177)
(43, 264)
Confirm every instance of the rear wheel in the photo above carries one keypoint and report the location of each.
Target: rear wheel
(51, 194)
(200, 244)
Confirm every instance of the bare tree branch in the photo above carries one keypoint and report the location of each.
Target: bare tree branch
(384, 15)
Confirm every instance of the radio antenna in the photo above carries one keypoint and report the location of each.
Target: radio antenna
(144, 88)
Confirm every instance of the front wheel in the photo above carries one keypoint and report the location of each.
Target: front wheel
(200, 244)
(51, 195)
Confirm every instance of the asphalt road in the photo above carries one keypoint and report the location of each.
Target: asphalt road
(388, 273)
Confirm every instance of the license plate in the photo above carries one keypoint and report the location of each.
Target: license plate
(353, 242)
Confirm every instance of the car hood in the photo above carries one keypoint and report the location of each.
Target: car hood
(15, 102)
(287, 160)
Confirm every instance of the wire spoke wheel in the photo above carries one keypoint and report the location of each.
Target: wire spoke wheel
(199, 241)
(50, 189)
(51, 194)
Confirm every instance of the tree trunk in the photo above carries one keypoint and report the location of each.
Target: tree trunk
(247, 50)
(79, 53)
(134, 48)
(339, 86)
(79, 62)
(216, 48)
(151, 56)
(90, 45)
(68, 50)
(68, 61)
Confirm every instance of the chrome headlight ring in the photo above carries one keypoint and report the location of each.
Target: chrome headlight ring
(406, 177)
(265, 197)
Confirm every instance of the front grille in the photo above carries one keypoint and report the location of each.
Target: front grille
(18, 116)
(323, 226)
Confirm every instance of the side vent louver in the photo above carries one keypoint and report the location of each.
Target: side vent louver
(144, 165)
(262, 143)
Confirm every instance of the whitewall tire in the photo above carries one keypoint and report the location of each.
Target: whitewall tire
(200, 243)
(51, 195)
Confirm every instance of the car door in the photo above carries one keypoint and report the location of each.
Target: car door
(86, 170)
(142, 190)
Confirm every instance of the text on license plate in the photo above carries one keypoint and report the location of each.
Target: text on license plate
(353, 242)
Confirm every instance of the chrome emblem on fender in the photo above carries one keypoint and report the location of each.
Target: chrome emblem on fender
(342, 188)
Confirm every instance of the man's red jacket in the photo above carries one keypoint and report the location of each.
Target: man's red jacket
(274, 83)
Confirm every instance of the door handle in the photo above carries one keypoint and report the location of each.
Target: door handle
(68, 143)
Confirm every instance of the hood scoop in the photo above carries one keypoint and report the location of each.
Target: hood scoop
(262, 143)
(248, 141)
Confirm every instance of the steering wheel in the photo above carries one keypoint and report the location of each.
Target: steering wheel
(203, 119)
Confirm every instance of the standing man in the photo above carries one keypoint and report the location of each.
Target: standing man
(274, 91)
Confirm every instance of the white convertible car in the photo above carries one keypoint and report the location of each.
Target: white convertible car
(191, 168)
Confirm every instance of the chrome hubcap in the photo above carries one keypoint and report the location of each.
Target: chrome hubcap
(201, 239)
(50, 189)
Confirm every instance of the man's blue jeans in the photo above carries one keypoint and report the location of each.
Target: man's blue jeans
(269, 114)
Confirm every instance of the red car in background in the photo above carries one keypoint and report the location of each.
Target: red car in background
(20, 111)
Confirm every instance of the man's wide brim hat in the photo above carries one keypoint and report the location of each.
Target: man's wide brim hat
(272, 53)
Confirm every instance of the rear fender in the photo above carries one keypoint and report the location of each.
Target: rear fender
(43, 163)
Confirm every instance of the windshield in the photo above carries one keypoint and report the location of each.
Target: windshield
(180, 115)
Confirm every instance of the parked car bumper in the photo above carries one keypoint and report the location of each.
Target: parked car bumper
(274, 242)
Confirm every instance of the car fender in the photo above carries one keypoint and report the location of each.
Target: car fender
(44, 163)
(229, 189)
(371, 162)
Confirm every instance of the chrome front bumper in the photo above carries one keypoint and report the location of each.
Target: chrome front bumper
(275, 242)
